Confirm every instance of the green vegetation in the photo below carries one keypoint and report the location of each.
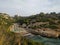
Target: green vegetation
(52, 19)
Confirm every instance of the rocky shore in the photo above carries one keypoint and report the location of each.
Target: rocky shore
(46, 33)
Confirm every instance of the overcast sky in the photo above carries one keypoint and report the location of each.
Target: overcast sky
(29, 7)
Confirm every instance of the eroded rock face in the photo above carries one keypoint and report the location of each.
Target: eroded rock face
(47, 33)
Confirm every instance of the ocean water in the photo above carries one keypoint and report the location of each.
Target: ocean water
(46, 41)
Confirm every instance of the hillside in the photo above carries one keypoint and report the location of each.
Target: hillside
(41, 20)
(37, 26)
(45, 22)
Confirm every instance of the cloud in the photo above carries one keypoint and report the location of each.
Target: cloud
(29, 7)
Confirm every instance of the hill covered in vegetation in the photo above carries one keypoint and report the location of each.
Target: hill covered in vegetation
(42, 24)
(6, 36)
(49, 22)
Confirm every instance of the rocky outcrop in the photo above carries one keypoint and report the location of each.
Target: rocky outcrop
(49, 33)
(46, 32)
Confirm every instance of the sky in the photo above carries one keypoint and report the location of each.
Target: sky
(29, 7)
